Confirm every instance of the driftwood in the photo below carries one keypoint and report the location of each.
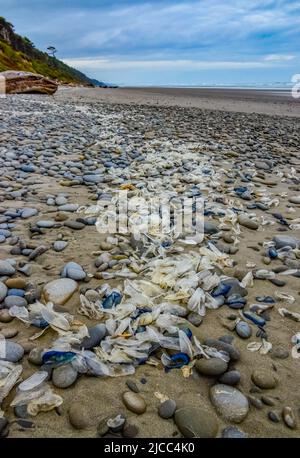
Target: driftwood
(18, 82)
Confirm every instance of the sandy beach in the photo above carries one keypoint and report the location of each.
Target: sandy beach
(239, 150)
(271, 102)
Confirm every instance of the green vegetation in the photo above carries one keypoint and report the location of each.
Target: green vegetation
(19, 53)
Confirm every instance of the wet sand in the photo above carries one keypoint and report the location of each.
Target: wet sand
(272, 102)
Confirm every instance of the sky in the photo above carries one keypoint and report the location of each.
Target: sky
(167, 42)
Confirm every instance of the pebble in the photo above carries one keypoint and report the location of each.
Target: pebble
(194, 319)
(195, 422)
(247, 222)
(134, 402)
(132, 386)
(13, 352)
(9, 333)
(282, 241)
(289, 417)
(96, 334)
(60, 245)
(232, 432)
(211, 366)
(5, 317)
(228, 348)
(279, 352)
(167, 409)
(18, 301)
(256, 402)
(3, 426)
(79, 417)
(229, 402)
(268, 401)
(264, 379)
(36, 356)
(46, 224)
(74, 271)
(243, 330)
(294, 200)
(6, 268)
(64, 376)
(130, 431)
(274, 416)
(3, 291)
(21, 411)
(59, 291)
(230, 378)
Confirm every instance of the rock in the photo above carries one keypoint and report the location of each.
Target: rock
(268, 401)
(282, 241)
(167, 409)
(68, 208)
(195, 422)
(294, 200)
(194, 319)
(264, 379)
(13, 352)
(3, 291)
(243, 330)
(5, 317)
(3, 426)
(60, 245)
(229, 402)
(274, 416)
(210, 228)
(228, 348)
(59, 291)
(289, 417)
(79, 417)
(74, 271)
(76, 225)
(19, 82)
(211, 366)
(21, 411)
(18, 301)
(247, 222)
(6, 268)
(9, 333)
(96, 335)
(279, 353)
(134, 402)
(230, 378)
(232, 432)
(28, 212)
(46, 224)
(255, 402)
(132, 386)
(36, 356)
(64, 376)
(130, 431)
(93, 178)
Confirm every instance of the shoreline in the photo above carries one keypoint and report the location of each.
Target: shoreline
(229, 100)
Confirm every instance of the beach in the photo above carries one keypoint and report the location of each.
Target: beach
(272, 102)
(240, 151)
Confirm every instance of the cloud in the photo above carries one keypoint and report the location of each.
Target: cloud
(106, 64)
(279, 58)
(156, 34)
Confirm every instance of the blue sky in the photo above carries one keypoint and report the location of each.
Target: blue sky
(188, 42)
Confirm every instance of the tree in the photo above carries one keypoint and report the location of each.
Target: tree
(52, 50)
